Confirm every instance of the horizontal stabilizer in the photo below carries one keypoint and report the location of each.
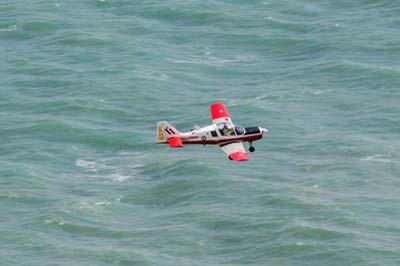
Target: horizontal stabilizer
(175, 142)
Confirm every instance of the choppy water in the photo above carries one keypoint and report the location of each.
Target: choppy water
(82, 84)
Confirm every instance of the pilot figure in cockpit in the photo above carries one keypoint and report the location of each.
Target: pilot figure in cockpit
(227, 130)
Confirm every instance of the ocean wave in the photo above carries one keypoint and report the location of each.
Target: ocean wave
(384, 158)
(104, 168)
(9, 28)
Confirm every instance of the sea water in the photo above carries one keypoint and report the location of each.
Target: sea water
(83, 83)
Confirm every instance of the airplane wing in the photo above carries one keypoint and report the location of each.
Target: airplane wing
(219, 113)
(235, 151)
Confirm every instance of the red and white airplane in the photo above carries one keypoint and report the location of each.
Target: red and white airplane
(222, 132)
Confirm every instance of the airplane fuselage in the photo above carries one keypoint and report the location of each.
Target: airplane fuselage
(211, 135)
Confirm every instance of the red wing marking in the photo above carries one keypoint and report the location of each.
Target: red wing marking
(218, 110)
(239, 156)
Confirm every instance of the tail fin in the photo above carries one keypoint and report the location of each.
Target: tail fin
(165, 131)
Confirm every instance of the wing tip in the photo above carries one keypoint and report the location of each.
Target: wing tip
(239, 156)
(218, 110)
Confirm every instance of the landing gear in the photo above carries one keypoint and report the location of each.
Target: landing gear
(251, 149)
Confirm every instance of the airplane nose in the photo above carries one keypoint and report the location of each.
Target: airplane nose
(263, 130)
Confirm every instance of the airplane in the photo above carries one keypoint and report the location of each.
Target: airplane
(222, 132)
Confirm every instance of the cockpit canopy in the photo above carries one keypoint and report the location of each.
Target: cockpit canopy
(239, 130)
(228, 129)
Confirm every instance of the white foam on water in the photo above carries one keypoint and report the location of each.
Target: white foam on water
(119, 198)
(114, 169)
(102, 203)
(318, 92)
(151, 75)
(118, 178)
(9, 28)
(378, 158)
(92, 205)
(54, 222)
(85, 164)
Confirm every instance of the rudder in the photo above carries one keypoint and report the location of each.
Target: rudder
(165, 131)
